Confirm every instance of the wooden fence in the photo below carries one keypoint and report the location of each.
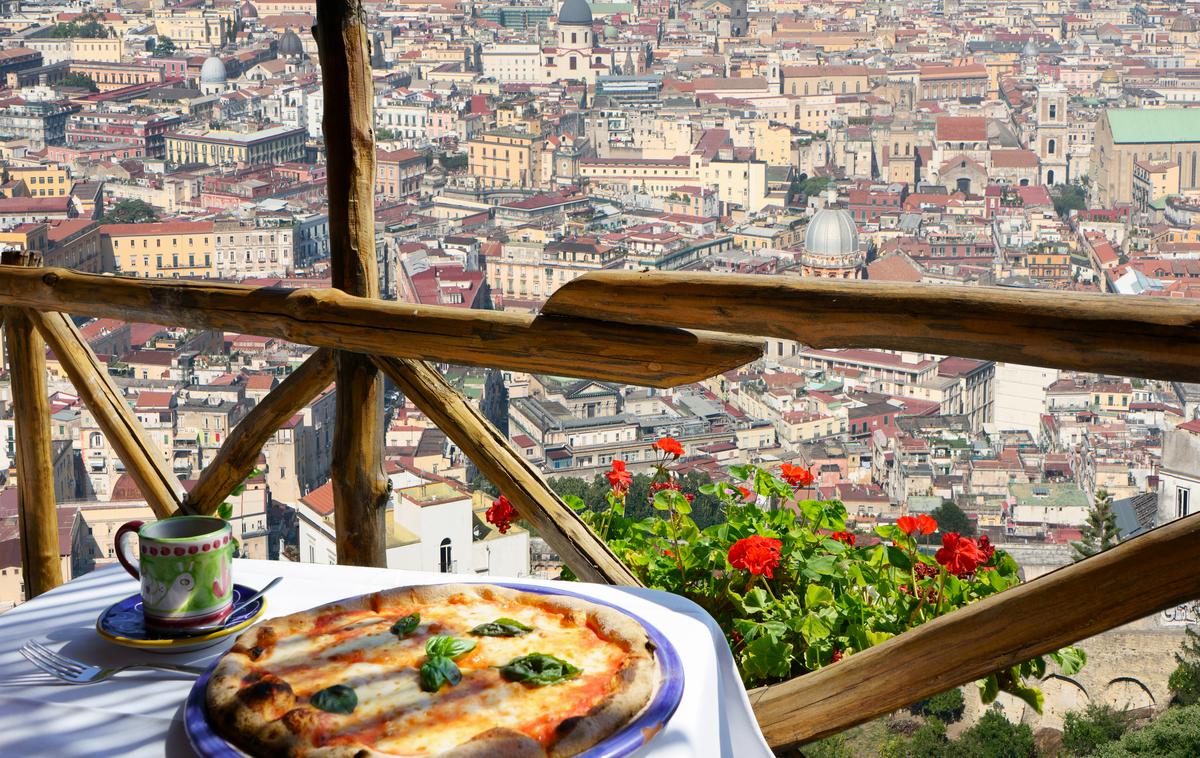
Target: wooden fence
(657, 329)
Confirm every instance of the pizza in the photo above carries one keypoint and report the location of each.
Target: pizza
(452, 670)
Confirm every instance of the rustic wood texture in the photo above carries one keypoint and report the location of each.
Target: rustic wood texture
(360, 487)
(37, 517)
(1054, 610)
(238, 454)
(524, 486)
(1155, 338)
(142, 458)
(644, 355)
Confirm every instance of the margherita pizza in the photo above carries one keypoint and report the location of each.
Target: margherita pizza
(456, 670)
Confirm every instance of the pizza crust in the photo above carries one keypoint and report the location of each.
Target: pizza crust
(258, 711)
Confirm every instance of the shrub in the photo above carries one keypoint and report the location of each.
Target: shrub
(1176, 734)
(995, 737)
(947, 706)
(1184, 682)
(792, 587)
(927, 742)
(1084, 733)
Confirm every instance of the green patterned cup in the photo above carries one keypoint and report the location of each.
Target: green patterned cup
(185, 566)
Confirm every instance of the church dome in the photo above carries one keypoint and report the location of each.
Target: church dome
(248, 10)
(1183, 24)
(831, 233)
(575, 13)
(290, 45)
(213, 71)
(1110, 76)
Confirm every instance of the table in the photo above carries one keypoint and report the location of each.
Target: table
(139, 713)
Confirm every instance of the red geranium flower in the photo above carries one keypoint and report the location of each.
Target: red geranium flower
(501, 514)
(912, 524)
(927, 524)
(797, 476)
(669, 446)
(907, 524)
(748, 495)
(986, 548)
(960, 555)
(619, 478)
(837, 654)
(757, 554)
(846, 537)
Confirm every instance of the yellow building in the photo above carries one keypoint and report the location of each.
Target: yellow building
(271, 146)
(826, 80)
(171, 249)
(1152, 181)
(112, 76)
(1125, 136)
(41, 180)
(56, 49)
(504, 158)
(194, 28)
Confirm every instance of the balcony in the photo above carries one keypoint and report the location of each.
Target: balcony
(647, 328)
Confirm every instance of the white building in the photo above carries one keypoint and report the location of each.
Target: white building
(575, 56)
(1179, 476)
(1020, 397)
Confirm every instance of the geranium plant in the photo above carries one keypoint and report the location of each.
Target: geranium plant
(791, 584)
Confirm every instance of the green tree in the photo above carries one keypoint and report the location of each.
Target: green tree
(86, 26)
(383, 133)
(1084, 733)
(77, 79)
(929, 741)
(946, 706)
(1100, 531)
(814, 185)
(164, 47)
(1184, 682)
(951, 518)
(129, 212)
(1072, 197)
(994, 736)
(1175, 734)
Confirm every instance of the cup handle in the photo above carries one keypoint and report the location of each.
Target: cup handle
(127, 560)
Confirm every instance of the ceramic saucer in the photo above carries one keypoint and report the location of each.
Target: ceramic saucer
(122, 623)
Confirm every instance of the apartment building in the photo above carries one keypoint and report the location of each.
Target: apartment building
(168, 249)
(243, 249)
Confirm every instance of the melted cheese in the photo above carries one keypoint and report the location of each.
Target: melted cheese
(394, 715)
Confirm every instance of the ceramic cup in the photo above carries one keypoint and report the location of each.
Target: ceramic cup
(184, 565)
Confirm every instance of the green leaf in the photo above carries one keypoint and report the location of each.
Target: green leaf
(767, 658)
(887, 531)
(757, 601)
(438, 671)
(406, 625)
(662, 500)
(502, 627)
(539, 670)
(708, 489)
(751, 630)
(875, 638)
(336, 699)
(816, 595)
(814, 628)
(821, 565)
(225, 511)
(989, 688)
(1031, 695)
(448, 647)
(899, 558)
(1070, 660)
(575, 503)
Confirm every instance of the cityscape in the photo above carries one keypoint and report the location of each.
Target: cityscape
(520, 145)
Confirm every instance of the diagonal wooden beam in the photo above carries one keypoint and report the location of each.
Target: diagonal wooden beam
(237, 456)
(644, 355)
(142, 458)
(584, 552)
(1156, 338)
(1149, 573)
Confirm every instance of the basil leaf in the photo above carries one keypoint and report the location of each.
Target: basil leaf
(336, 699)
(405, 625)
(538, 670)
(448, 647)
(437, 671)
(502, 627)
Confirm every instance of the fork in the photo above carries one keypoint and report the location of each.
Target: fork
(78, 672)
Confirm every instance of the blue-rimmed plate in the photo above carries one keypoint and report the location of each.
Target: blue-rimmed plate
(123, 623)
(630, 738)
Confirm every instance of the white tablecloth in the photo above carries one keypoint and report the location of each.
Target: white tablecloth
(139, 713)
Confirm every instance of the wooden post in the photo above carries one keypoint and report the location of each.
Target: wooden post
(1149, 573)
(360, 488)
(235, 460)
(142, 458)
(584, 552)
(37, 516)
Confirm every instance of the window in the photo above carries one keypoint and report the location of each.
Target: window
(573, 63)
(445, 562)
(1053, 110)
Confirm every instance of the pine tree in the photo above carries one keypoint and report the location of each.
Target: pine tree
(1100, 532)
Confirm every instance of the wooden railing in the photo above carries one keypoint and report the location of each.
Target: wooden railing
(657, 329)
